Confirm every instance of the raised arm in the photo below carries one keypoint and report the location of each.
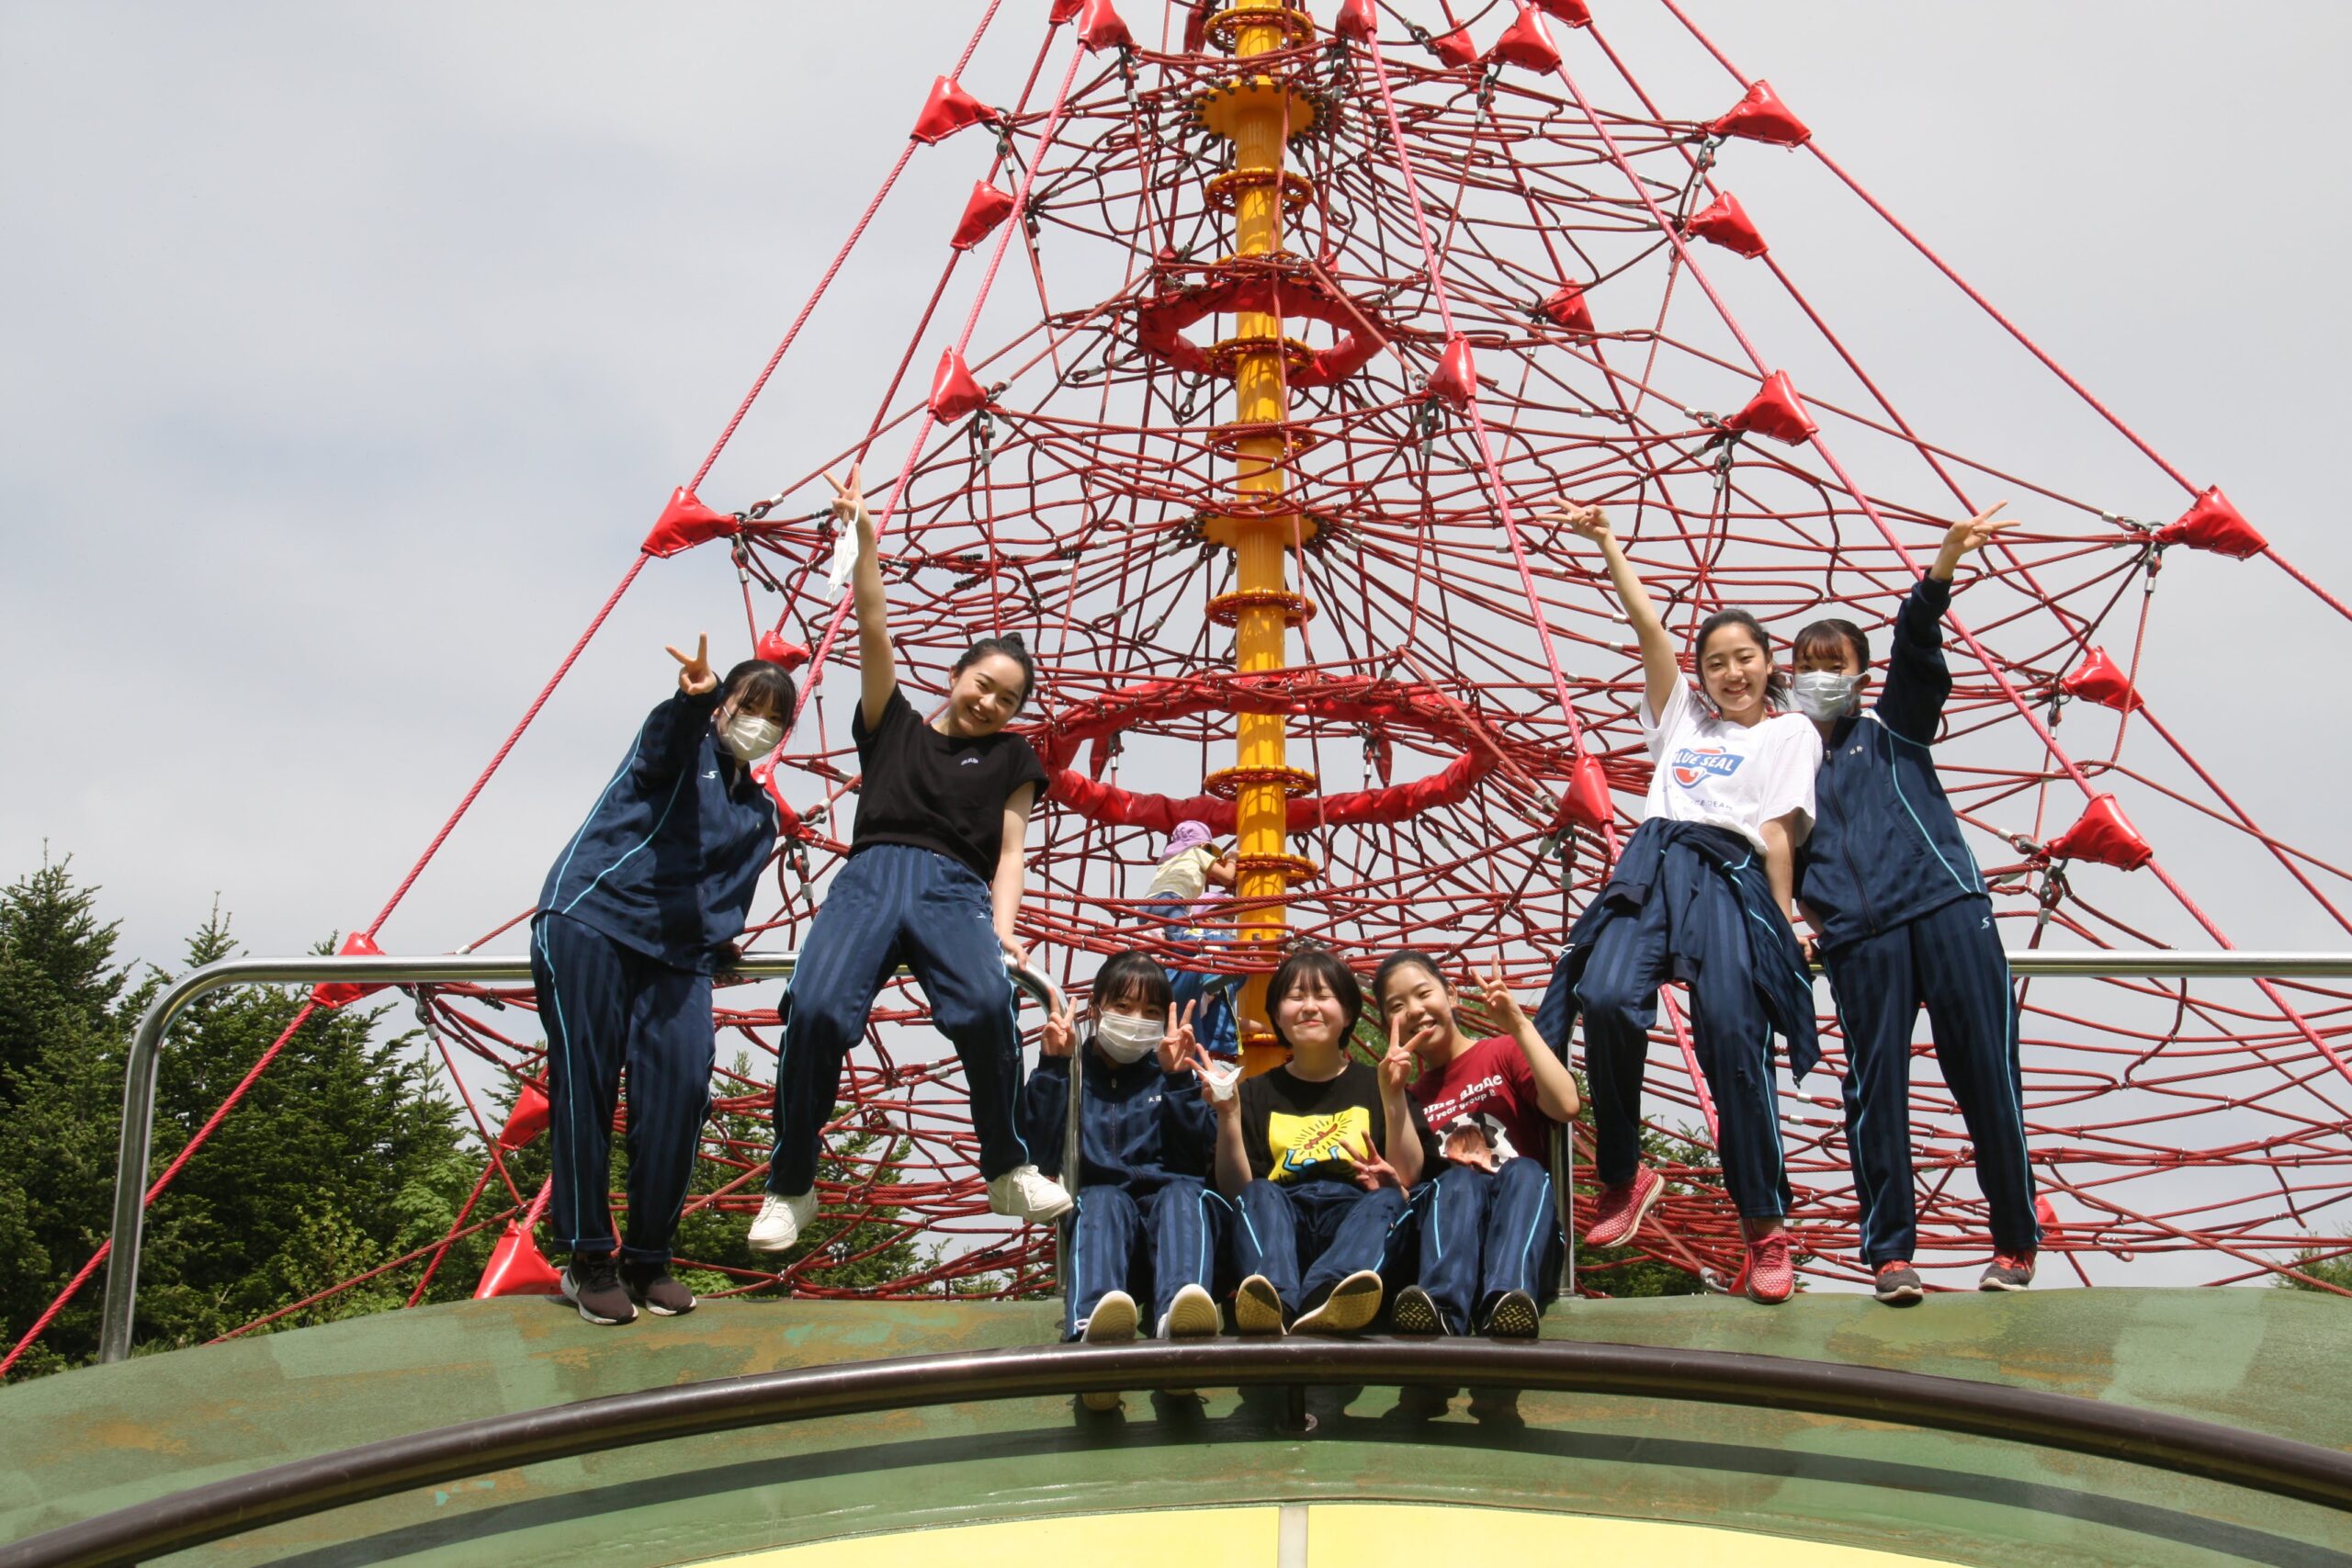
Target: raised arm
(675, 729)
(1012, 867)
(1659, 670)
(877, 661)
(1917, 679)
(1403, 1134)
(1556, 1087)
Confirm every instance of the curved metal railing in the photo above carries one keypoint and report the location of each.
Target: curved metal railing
(2278, 1466)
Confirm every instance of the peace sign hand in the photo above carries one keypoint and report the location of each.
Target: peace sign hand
(693, 674)
(1374, 1172)
(1177, 1046)
(849, 505)
(1499, 1000)
(1060, 1034)
(1966, 538)
(1587, 523)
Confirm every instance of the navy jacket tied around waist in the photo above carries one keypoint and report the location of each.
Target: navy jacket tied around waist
(1886, 846)
(670, 853)
(1715, 892)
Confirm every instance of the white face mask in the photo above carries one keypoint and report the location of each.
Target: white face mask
(1824, 696)
(752, 739)
(1125, 1039)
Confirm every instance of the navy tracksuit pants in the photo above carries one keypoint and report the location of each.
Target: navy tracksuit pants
(1306, 1237)
(1951, 961)
(893, 904)
(1485, 1233)
(607, 1008)
(1150, 1245)
(1729, 1030)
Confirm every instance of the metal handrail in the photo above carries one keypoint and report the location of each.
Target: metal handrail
(132, 1160)
(2256, 1460)
(146, 1046)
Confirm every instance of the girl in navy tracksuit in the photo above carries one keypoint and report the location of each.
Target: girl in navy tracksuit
(645, 903)
(932, 881)
(1904, 919)
(1148, 1228)
(1704, 893)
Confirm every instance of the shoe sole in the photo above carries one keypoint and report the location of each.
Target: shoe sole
(772, 1244)
(1902, 1296)
(1192, 1315)
(2001, 1285)
(1256, 1310)
(1632, 1226)
(1761, 1299)
(1113, 1322)
(1416, 1314)
(659, 1310)
(1037, 1216)
(1516, 1317)
(1353, 1302)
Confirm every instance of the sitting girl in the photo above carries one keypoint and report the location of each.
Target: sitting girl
(1148, 1229)
(1490, 1242)
(1702, 894)
(1317, 1155)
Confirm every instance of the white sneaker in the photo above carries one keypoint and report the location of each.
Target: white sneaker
(781, 1221)
(1027, 1196)
(1113, 1322)
(1192, 1315)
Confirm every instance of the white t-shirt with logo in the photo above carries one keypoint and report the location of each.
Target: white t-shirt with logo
(1737, 776)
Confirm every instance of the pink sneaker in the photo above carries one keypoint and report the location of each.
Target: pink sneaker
(1623, 1209)
(1770, 1277)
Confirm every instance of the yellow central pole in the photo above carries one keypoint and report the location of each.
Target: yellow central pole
(1261, 633)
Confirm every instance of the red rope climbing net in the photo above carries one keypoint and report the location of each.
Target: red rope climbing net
(1506, 279)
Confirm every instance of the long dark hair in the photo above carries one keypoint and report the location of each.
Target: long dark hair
(1324, 965)
(1011, 645)
(761, 687)
(1776, 684)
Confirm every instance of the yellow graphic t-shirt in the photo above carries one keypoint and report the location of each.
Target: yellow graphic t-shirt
(1299, 1143)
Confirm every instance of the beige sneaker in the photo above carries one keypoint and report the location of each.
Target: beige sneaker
(1353, 1302)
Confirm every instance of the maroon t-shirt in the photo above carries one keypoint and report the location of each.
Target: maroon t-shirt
(1491, 1079)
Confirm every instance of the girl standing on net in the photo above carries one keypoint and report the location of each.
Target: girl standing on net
(934, 881)
(1704, 893)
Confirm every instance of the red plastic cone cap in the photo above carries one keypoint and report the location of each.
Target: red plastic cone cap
(685, 522)
(517, 1268)
(1456, 48)
(2212, 524)
(2104, 836)
(1063, 11)
(1725, 222)
(2043, 1214)
(358, 944)
(1762, 116)
(2099, 681)
(987, 208)
(1565, 308)
(948, 110)
(773, 648)
(528, 1119)
(1456, 380)
(1355, 21)
(1776, 411)
(1098, 27)
(1587, 801)
(1527, 44)
(954, 393)
(1575, 13)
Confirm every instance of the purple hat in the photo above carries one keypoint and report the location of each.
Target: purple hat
(1189, 835)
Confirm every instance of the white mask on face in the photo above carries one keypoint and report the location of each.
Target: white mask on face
(1824, 696)
(752, 739)
(1125, 1039)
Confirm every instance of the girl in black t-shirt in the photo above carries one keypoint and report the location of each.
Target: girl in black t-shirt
(1317, 1155)
(932, 881)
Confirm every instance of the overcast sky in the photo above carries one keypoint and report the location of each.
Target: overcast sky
(349, 352)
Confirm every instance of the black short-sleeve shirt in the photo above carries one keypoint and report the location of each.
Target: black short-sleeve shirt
(1294, 1129)
(943, 793)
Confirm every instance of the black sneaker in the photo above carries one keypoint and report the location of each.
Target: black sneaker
(1516, 1317)
(650, 1286)
(1415, 1312)
(2009, 1271)
(1898, 1284)
(594, 1285)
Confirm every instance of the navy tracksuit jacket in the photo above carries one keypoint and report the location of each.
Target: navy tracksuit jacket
(1688, 902)
(1906, 922)
(1148, 1222)
(635, 915)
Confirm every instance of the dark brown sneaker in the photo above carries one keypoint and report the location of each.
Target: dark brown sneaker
(594, 1285)
(1898, 1284)
(650, 1286)
(2008, 1272)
